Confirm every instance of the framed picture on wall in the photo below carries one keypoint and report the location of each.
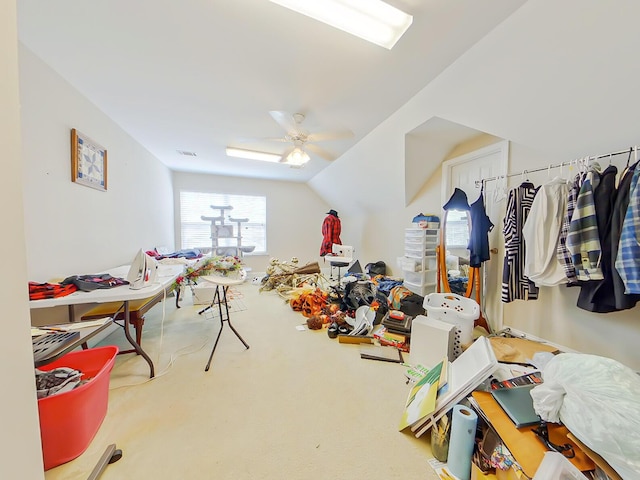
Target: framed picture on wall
(88, 162)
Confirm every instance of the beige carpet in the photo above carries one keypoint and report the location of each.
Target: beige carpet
(296, 405)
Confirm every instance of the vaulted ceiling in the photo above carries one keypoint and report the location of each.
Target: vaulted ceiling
(198, 76)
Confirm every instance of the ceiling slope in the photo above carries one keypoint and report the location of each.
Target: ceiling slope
(197, 76)
(557, 77)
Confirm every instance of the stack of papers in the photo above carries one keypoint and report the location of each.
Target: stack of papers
(68, 327)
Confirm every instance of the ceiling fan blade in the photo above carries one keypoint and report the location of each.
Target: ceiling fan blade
(326, 136)
(285, 120)
(262, 139)
(321, 152)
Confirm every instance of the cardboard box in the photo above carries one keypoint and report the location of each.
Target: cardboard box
(477, 474)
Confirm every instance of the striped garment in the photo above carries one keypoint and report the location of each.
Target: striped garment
(564, 256)
(583, 241)
(628, 259)
(515, 285)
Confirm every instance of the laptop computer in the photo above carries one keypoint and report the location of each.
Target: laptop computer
(518, 405)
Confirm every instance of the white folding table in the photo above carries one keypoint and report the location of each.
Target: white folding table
(166, 276)
(222, 284)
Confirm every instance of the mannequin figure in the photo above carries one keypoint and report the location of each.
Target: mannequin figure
(331, 228)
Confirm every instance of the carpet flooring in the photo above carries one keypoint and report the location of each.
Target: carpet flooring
(296, 405)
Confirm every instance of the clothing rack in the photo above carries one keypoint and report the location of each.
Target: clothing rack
(628, 151)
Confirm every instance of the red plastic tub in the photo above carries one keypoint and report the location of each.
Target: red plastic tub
(70, 420)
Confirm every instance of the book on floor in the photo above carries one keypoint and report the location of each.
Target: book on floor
(469, 370)
(422, 397)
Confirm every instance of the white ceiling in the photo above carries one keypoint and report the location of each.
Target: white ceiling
(199, 75)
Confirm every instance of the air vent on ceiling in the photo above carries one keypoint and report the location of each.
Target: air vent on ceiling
(186, 154)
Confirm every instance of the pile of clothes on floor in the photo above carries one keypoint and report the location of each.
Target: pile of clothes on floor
(335, 306)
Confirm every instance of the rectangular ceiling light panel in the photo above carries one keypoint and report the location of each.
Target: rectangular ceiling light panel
(252, 155)
(372, 20)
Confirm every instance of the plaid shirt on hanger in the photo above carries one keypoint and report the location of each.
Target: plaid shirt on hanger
(563, 254)
(628, 259)
(583, 240)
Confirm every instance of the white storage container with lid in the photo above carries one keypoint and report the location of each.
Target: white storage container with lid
(419, 262)
(555, 466)
(456, 309)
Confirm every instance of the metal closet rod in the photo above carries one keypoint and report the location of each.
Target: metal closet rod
(628, 151)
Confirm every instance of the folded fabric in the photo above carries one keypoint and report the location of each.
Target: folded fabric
(88, 283)
(40, 291)
(191, 253)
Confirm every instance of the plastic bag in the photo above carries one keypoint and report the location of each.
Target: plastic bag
(597, 399)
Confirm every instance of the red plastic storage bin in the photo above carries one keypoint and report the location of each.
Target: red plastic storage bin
(70, 420)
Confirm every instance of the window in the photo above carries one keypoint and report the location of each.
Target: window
(196, 233)
(457, 229)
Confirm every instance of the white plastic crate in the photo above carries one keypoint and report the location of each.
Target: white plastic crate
(425, 277)
(421, 241)
(421, 290)
(203, 293)
(455, 309)
(417, 251)
(410, 264)
(420, 232)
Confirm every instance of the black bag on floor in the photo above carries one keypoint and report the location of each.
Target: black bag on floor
(377, 268)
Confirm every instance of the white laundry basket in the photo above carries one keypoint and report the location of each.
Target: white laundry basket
(457, 310)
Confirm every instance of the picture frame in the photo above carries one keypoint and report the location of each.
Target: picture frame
(88, 162)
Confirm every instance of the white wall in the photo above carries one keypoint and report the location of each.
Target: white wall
(20, 451)
(294, 214)
(556, 80)
(70, 228)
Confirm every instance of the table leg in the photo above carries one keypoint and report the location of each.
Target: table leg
(223, 318)
(132, 341)
(226, 305)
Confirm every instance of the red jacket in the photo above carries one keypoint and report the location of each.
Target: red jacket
(331, 227)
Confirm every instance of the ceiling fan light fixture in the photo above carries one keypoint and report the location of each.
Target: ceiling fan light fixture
(372, 20)
(252, 154)
(297, 157)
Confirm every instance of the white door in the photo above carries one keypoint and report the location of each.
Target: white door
(466, 172)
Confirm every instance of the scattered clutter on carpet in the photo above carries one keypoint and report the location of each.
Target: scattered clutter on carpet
(283, 276)
(334, 306)
(472, 436)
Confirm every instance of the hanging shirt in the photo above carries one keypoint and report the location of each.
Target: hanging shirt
(515, 285)
(583, 240)
(564, 256)
(620, 300)
(331, 227)
(628, 260)
(481, 225)
(605, 198)
(541, 232)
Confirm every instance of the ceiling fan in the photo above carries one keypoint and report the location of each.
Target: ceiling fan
(301, 140)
